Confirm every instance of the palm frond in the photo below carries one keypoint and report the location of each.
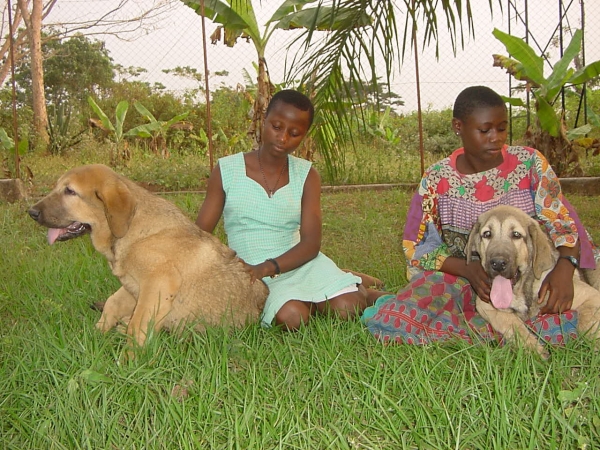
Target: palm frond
(336, 65)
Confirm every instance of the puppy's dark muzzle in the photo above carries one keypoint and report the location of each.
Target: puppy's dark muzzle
(35, 214)
(498, 265)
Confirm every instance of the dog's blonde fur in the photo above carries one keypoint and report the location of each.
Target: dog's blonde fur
(509, 235)
(171, 271)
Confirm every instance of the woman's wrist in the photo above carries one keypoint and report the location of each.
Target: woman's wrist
(275, 265)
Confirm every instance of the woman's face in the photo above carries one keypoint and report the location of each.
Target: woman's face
(483, 134)
(284, 128)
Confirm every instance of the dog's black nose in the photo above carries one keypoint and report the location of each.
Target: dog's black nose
(498, 264)
(34, 213)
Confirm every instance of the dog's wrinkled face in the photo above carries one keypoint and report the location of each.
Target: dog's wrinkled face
(84, 198)
(503, 247)
(510, 244)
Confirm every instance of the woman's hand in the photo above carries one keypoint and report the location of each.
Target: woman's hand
(473, 272)
(479, 280)
(258, 271)
(558, 286)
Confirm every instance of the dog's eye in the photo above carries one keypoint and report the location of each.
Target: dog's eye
(516, 235)
(69, 191)
(486, 234)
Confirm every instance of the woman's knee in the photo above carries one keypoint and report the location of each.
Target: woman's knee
(293, 314)
(347, 306)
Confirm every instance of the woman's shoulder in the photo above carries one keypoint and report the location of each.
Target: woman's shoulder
(299, 162)
(443, 164)
(229, 158)
(522, 151)
(231, 161)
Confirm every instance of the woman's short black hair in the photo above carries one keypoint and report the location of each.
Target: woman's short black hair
(475, 97)
(294, 98)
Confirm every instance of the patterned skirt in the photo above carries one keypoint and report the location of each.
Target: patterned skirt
(436, 306)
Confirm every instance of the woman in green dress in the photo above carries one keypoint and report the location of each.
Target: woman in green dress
(271, 208)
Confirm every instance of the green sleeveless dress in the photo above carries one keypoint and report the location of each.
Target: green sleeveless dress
(259, 227)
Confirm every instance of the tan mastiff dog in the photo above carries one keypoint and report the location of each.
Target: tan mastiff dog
(171, 271)
(517, 255)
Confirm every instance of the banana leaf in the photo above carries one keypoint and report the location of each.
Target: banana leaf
(103, 117)
(532, 64)
(549, 121)
(120, 114)
(561, 72)
(587, 73)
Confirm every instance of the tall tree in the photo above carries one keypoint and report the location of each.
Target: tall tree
(28, 40)
(33, 24)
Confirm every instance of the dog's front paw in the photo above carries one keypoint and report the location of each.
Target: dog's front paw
(535, 345)
(543, 352)
(105, 323)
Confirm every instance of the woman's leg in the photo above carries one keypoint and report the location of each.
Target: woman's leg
(346, 306)
(293, 314)
(433, 306)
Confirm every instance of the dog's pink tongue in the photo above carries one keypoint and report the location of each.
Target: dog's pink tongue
(53, 234)
(501, 294)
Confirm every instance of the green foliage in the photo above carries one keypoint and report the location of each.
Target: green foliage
(378, 125)
(529, 67)
(116, 130)
(438, 138)
(12, 155)
(24, 114)
(59, 130)
(156, 130)
(67, 73)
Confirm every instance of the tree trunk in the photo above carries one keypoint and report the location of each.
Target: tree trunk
(40, 115)
(33, 25)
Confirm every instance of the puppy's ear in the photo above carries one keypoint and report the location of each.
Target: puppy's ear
(541, 249)
(119, 205)
(474, 241)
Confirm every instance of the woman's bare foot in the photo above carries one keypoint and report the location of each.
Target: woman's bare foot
(374, 294)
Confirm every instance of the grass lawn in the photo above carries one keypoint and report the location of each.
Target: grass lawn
(63, 385)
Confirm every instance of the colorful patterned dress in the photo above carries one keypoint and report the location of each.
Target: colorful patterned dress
(439, 306)
(260, 227)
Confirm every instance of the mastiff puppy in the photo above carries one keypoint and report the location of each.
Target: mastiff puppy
(517, 255)
(171, 272)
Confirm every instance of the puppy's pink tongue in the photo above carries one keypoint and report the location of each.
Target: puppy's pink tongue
(53, 234)
(501, 294)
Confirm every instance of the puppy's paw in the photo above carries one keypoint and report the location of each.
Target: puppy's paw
(105, 324)
(543, 352)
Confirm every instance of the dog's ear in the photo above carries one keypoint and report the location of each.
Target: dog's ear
(474, 241)
(119, 205)
(541, 249)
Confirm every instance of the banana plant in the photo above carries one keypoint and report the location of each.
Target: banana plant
(115, 130)
(156, 130)
(237, 20)
(549, 134)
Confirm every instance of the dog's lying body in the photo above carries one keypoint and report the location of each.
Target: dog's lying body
(516, 253)
(171, 271)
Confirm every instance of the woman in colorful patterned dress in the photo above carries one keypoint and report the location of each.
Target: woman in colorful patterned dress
(438, 302)
(270, 202)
